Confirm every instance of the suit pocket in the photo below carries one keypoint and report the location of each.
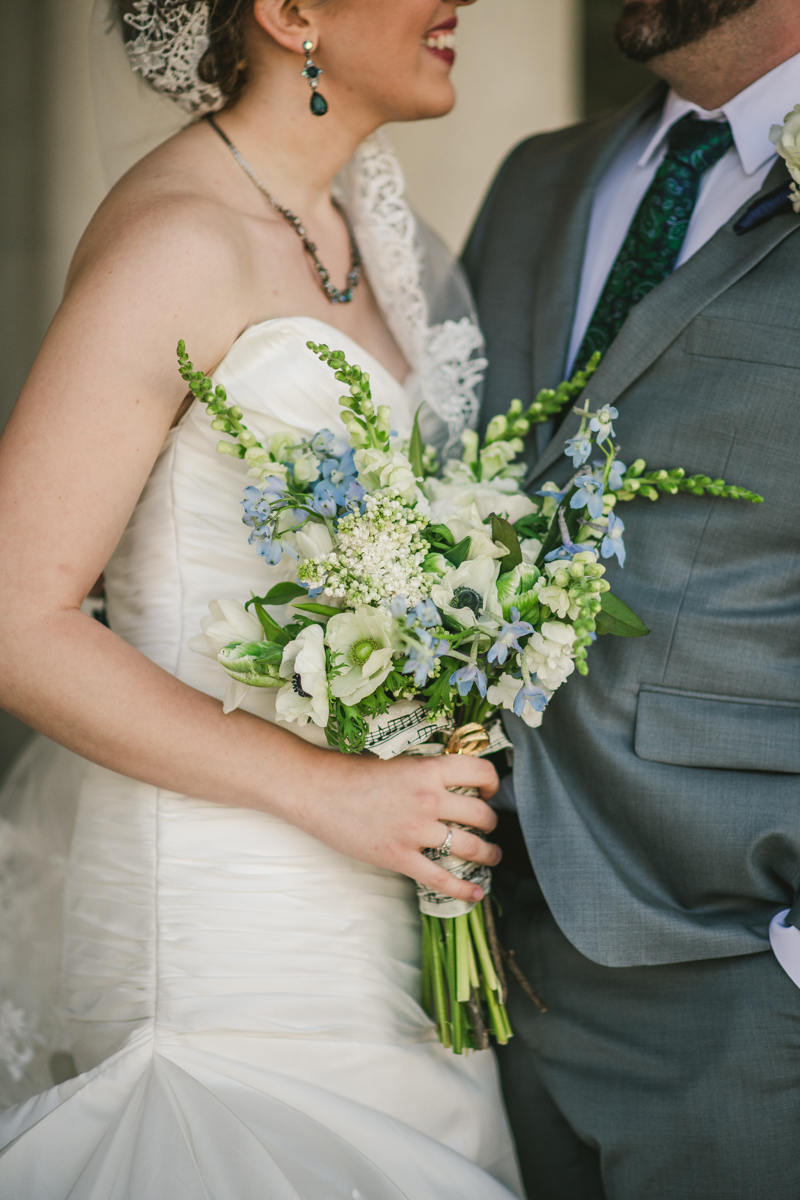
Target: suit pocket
(744, 341)
(696, 729)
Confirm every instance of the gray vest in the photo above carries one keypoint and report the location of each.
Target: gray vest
(660, 800)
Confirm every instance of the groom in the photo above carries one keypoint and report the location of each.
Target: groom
(660, 800)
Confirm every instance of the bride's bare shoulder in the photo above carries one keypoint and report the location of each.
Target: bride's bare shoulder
(169, 213)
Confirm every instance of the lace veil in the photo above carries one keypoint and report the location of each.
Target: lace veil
(419, 286)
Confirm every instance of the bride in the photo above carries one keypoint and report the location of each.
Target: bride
(237, 1014)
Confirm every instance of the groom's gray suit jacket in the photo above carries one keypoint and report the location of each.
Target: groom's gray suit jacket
(660, 800)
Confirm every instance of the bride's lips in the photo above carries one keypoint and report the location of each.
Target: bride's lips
(441, 40)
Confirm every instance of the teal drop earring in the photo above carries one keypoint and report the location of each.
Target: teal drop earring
(311, 72)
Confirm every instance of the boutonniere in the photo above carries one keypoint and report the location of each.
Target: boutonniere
(786, 140)
(782, 199)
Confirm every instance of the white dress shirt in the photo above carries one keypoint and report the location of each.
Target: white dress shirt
(737, 176)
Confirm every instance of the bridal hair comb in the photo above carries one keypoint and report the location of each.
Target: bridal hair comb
(171, 37)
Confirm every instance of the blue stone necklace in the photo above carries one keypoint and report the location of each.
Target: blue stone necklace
(353, 275)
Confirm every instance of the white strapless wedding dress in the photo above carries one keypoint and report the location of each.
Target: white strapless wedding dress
(241, 1000)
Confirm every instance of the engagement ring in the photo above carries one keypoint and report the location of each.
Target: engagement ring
(442, 851)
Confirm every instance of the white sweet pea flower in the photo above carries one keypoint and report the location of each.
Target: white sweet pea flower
(548, 654)
(229, 621)
(467, 523)
(468, 591)
(504, 693)
(363, 642)
(305, 697)
(313, 540)
(306, 466)
(495, 496)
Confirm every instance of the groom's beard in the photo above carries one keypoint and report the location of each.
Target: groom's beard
(651, 27)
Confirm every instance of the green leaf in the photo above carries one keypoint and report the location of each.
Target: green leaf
(615, 617)
(415, 448)
(271, 628)
(438, 536)
(283, 593)
(458, 553)
(504, 533)
(321, 610)
(533, 526)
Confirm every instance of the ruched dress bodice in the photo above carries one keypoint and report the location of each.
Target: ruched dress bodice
(242, 999)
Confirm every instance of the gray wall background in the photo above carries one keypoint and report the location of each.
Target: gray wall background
(525, 65)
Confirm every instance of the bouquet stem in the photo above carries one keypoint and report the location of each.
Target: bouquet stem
(459, 978)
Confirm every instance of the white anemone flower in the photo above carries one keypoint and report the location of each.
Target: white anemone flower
(228, 623)
(363, 641)
(305, 697)
(469, 590)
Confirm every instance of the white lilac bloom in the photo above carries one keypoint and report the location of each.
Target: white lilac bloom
(380, 554)
(505, 693)
(468, 591)
(549, 654)
(361, 643)
(305, 697)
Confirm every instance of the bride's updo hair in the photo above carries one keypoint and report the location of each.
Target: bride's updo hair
(192, 50)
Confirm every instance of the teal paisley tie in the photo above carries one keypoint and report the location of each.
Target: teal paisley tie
(657, 232)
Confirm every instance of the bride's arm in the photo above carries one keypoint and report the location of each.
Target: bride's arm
(73, 461)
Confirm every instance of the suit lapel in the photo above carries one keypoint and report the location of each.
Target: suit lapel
(559, 274)
(664, 313)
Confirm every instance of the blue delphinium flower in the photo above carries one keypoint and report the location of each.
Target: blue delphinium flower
(578, 449)
(507, 638)
(422, 657)
(568, 547)
(324, 501)
(601, 424)
(426, 613)
(529, 693)
(466, 676)
(398, 607)
(612, 543)
(589, 495)
(271, 551)
(551, 492)
(618, 469)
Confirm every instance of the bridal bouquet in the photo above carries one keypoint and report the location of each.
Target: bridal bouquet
(423, 602)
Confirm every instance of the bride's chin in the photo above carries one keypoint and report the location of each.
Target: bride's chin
(423, 104)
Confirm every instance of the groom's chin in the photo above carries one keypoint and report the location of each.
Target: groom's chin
(647, 28)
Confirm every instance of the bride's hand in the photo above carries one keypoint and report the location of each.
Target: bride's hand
(385, 813)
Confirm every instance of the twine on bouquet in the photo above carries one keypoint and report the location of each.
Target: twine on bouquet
(462, 958)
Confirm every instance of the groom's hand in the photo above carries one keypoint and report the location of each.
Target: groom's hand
(386, 813)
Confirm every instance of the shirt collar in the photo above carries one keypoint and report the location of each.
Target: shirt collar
(750, 114)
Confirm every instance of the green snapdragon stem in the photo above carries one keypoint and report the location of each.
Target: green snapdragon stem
(439, 1000)
(456, 1013)
(427, 967)
(462, 959)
